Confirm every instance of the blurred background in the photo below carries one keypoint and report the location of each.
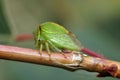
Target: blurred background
(95, 22)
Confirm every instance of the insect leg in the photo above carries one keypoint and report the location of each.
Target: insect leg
(57, 49)
(47, 47)
(41, 48)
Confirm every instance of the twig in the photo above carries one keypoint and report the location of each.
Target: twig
(92, 53)
(70, 61)
(33, 56)
(24, 37)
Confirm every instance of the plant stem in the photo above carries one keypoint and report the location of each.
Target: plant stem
(24, 37)
(92, 53)
(71, 61)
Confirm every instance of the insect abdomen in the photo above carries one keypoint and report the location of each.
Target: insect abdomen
(62, 41)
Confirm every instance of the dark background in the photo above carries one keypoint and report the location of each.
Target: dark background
(95, 22)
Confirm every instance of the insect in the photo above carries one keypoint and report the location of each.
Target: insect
(53, 37)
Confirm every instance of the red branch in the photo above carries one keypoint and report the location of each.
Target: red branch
(24, 37)
(74, 61)
(30, 55)
(92, 53)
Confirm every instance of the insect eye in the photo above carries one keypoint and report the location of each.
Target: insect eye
(39, 40)
(40, 28)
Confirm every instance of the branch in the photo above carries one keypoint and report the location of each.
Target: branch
(24, 37)
(71, 61)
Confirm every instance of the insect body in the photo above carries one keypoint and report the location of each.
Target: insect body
(53, 37)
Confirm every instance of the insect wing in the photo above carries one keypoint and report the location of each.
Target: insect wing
(51, 27)
(75, 40)
(63, 41)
